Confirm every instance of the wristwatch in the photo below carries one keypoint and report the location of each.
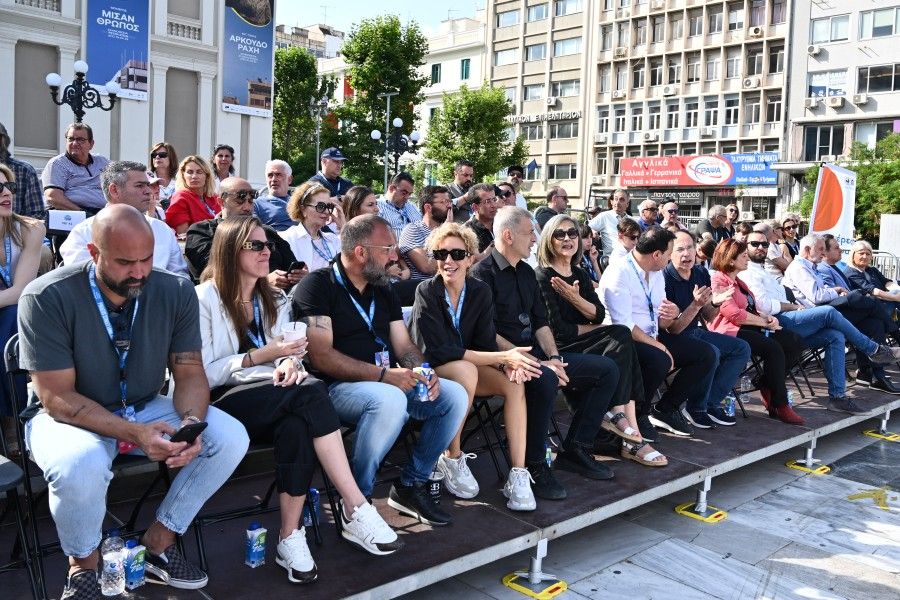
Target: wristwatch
(556, 357)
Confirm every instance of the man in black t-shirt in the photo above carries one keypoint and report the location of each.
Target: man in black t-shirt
(356, 333)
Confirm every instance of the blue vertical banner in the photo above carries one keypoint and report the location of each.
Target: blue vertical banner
(117, 45)
(248, 57)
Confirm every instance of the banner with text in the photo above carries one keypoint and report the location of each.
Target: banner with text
(834, 207)
(117, 45)
(248, 57)
(692, 171)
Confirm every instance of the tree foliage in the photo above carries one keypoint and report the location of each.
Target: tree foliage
(472, 125)
(293, 127)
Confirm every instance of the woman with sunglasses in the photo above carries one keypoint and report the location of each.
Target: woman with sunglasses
(790, 241)
(22, 240)
(628, 232)
(452, 322)
(589, 254)
(311, 206)
(256, 376)
(507, 194)
(222, 161)
(575, 314)
(731, 219)
(195, 199)
(162, 164)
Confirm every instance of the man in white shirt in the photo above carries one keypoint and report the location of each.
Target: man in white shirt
(126, 182)
(515, 175)
(394, 206)
(607, 222)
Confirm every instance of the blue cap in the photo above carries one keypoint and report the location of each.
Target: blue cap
(254, 525)
(333, 153)
(130, 544)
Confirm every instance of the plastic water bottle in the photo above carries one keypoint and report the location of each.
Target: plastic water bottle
(728, 404)
(790, 398)
(422, 388)
(312, 500)
(256, 546)
(135, 556)
(112, 577)
(548, 454)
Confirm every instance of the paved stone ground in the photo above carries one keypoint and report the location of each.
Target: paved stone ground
(787, 535)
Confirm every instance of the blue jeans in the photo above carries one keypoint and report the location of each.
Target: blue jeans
(77, 466)
(732, 357)
(379, 411)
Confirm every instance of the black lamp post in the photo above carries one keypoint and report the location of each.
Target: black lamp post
(397, 143)
(79, 94)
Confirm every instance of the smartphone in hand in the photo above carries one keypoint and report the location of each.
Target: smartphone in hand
(296, 266)
(189, 432)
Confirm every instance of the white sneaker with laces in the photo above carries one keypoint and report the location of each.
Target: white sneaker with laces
(368, 530)
(518, 490)
(293, 554)
(458, 479)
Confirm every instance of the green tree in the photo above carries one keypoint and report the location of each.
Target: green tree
(293, 126)
(472, 125)
(382, 55)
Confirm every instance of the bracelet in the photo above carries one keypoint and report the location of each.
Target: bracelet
(250, 358)
(381, 377)
(190, 418)
(556, 357)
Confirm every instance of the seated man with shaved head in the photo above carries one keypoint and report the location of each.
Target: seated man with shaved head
(97, 338)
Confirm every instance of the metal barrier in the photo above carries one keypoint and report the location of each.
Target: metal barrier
(887, 263)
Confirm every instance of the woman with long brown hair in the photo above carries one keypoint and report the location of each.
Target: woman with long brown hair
(163, 164)
(196, 198)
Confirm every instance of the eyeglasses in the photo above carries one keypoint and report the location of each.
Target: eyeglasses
(506, 194)
(633, 236)
(456, 254)
(789, 227)
(672, 211)
(77, 140)
(517, 175)
(322, 207)
(561, 234)
(160, 154)
(257, 245)
(242, 196)
(10, 185)
(650, 209)
(759, 244)
(732, 210)
(389, 249)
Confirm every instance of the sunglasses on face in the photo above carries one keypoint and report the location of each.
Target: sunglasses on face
(759, 244)
(673, 211)
(322, 207)
(632, 237)
(650, 209)
(732, 210)
(160, 154)
(10, 185)
(456, 254)
(789, 227)
(257, 245)
(506, 194)
(561, 234)
(242, 196)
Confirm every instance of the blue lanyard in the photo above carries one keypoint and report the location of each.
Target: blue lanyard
(258, 338)
(647, 292)
(590, 268)
(104, 316)
(325, 252)
(370, 318)
(455, 317)
(206, 206)
(6, 270)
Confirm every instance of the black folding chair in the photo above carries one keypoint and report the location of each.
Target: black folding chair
(485, 416)
(11, 476)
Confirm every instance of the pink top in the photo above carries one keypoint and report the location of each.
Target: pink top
(733, 312)
(188, 207)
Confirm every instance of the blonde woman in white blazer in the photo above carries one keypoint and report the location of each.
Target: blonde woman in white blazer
(258, 378)
(311, 206)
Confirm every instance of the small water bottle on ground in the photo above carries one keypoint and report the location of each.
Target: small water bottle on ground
(728, 404)
(746, 384)
(312, 500)
(790, 398)
(135, 556)
(548, 454)
(422, 388)
(256, 546)
(112, 576)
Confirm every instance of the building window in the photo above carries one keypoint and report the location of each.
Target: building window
(827, 83)
(637, 118)
(733, 67)
(563, 129)
(537, 12)
(819, 140)
(435, 73)
(732, 105)
(659, 29)
(773, 109)
(617, 156)
(778, 12)
(602, 120)
(672, 114)
(640, 33)
(606, 37)
(712, 67)
(871, 133)
(736, 16)
(510, 93)
(879, 23)
(674, 69)
(567, 7)
(752, 111)
(882, 78)
(776, 60)
(568, 87)
(621, 78)
(754, 61)
(715, 20)
(564, 171)
(757, 13)
(653, 117)
(691, 114)
(602, 163)
(695, 23)
(619, 122)
(656, 73)
(464, 67)
(534, 174)
(693, 68)
(637, 75)
(830, 29)
(432, 113)
(567, 47)
(711, 112)
(510, 133)
(508, 18)
(605, 78)
(676, 28)
(505, 57)
(532, 131)
(536, 52)
(533, 92)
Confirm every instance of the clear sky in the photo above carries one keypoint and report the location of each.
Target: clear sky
(342, 14)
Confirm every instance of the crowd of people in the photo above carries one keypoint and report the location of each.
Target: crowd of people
(183, 268)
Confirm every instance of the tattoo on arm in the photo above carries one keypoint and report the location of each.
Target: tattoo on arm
(187, 358)
(410, 360)
(78, 410)
(318, 322)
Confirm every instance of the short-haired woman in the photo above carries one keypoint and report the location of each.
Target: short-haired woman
(311, 206)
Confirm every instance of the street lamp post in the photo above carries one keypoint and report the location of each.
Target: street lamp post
(387, 126)
(79, 94)
(317, 108)
(397, 143)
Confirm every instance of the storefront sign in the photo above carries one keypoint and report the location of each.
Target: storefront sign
(691, 197)
(117, 45)
(710, 169)
(552, 116)
(248, 57)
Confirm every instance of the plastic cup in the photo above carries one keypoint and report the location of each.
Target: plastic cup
(293, 331)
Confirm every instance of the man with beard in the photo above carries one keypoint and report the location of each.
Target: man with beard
(436, 206)
(356, 333)
(463, 173)
(97, 338)
(607, 222)
(394, 206)
(484, 200)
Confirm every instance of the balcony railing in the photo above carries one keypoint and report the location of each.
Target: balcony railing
(181, 27)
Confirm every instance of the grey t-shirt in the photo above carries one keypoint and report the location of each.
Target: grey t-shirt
(60, 328)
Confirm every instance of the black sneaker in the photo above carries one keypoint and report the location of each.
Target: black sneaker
(863, 377)
(416, 502)
(846, 405)
(172, 569)
(718, 415)
(82, 585)
(545, 484)
(672, 421)
(648, 431)
(698, 419)
(607, 444)
(578, 460)
(884, 384)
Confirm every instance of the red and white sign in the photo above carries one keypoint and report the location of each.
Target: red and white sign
(834, 207)
(710, 169)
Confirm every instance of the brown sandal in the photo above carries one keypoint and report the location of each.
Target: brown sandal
(630, 451)
(611, 424)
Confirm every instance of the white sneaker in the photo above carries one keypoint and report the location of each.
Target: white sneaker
(518, 490)
(458, 479)
(293, 554)
(368, 530)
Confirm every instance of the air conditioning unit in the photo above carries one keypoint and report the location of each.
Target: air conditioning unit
(669, 90)
(551, 100)
(751, 82)
(834, 101)
(658, 4)
(620, 52)
(598, 179)
(828, 158)
(748, 215)
(860, 98)
(600, 138)
(619, 95)
(813, 49)
(708, 131)
(810, 103)
(651, 136)
(755, 32)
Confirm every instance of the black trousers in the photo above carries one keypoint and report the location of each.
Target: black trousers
(779, 351)
(873, 321)
(694, 359)
(288, 417)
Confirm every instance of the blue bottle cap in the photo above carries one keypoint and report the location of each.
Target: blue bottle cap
(254, 525)
(113, 533)
(425, 365)
(130, 544)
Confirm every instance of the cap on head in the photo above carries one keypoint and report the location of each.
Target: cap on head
(333, 153)
(152, 178)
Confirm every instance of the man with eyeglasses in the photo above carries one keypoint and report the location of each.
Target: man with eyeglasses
(436, 206)
(332, 165)
(670, 215)
(607, 222)
(271, 204)
(557, 204)
(394, 205)
(484, 200)
(713, 224)
(515, 175)
(649, 212)
(237, 197)
(360, 346)
(126, 182)
(29, 201)
(72, 180)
